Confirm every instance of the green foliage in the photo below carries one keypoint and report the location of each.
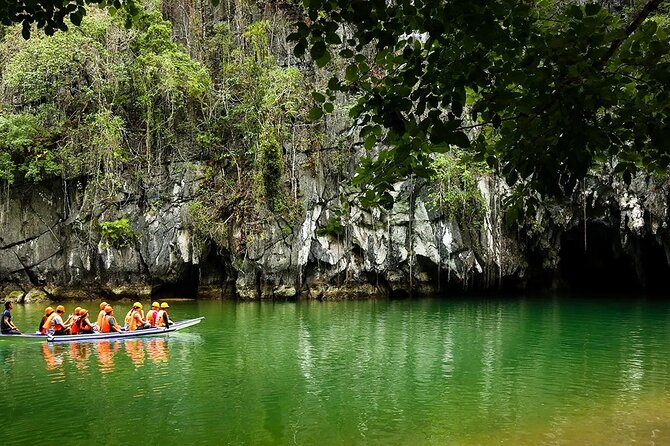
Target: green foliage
(117, 233)
(168, 82)
(543, 93)
(62, 69)
(53, 15)
(22, 150)
(334, 228)
(96, 146)
(205, 224)
(271, 166)
(454, 189)
(107, 104)
(258, 105)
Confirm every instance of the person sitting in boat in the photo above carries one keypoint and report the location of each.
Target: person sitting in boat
(6, 324)
(163, 319)
(74, 328)
(136, 320)
(55, 322)
(109, 323)
(47, 312)
(101, 315)
(84, 325)
(151, 315)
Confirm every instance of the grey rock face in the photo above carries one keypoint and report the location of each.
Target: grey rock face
(51, 246)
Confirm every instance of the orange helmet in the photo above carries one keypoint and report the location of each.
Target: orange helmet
(48, 311)
(103, 305)
(83, 312)
(77, 311)
(108, 309)
(60, 308)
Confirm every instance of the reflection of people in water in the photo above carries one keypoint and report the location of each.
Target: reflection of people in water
(52, 357)
(157, 350)
(106, 354)
(80, 354)
(135, 350)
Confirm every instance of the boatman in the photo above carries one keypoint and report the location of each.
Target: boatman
(6, 324)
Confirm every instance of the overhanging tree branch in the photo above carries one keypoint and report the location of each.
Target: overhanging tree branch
(649, 8)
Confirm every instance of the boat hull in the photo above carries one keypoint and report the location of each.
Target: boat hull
(23, 337)
(158, 331)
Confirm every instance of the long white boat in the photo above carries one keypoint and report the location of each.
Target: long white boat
(155, 331)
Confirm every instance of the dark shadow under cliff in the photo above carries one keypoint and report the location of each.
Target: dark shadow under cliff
(639, 266)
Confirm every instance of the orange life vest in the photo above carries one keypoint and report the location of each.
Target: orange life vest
(74, 328)
(101, 316)
(106, 327)
(151, 317)
(48, 322)
(129, 315)
(135, 320)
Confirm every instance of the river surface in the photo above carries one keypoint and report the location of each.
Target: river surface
(413, 372)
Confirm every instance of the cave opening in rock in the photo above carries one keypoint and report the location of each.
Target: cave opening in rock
(185, 288)
(606, 266)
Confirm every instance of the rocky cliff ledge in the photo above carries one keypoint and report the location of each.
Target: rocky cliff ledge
(51, 248)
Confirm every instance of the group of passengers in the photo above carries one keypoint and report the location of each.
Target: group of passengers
(79, 322)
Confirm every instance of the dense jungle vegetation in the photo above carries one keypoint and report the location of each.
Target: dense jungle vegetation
(109, 104)
(541, 93)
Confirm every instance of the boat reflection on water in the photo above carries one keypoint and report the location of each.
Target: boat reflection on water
(157, 350)
(106, 352)
(53, 356)
(135, 351)
(81, 354)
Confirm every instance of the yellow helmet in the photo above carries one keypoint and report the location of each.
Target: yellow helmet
(77, 310)
(165, 305)
(137, 305)
(60, 308)
(155, 304)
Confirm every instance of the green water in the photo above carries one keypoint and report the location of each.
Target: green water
(471, 372)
